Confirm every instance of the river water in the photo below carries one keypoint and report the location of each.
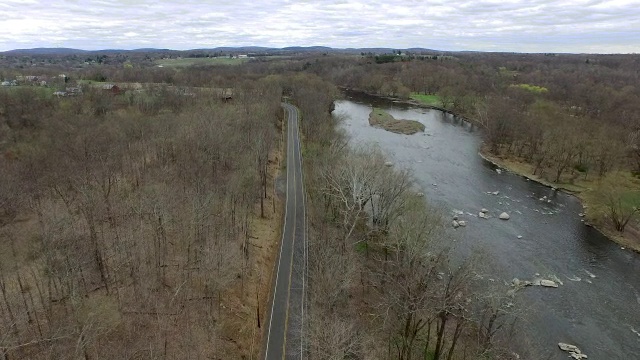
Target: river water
(598, 306)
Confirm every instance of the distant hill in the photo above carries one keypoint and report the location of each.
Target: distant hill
(150, 50)
(45, 51)
(307, 48)
(226, 49)
(236, 49)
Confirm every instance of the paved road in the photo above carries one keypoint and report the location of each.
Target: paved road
(287, 310)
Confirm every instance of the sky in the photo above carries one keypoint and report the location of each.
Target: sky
(578, 26)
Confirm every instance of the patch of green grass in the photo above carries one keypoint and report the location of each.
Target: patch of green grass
(40, 91)
(506, 72)
(430, 100)
(361, 246)
(89, 82)
(631, 198)
(532, 88)
(201, 61)
(382, 119)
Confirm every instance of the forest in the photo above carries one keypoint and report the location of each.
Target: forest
(144, 223)
(133, 225)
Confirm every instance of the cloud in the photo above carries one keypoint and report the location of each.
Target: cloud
(493, 25)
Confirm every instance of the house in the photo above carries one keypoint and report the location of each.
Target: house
(114, 89)
(73, 91)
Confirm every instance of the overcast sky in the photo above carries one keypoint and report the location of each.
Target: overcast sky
(595, 26)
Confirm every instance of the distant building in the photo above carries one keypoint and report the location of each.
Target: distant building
(114, 89)
(73, 91)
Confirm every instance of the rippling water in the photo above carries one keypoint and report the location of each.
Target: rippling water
(598, 306)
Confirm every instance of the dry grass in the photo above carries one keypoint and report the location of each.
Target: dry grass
(382, 119)
(569, 184)
(243, 305)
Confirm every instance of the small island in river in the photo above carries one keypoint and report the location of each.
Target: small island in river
(382, 119)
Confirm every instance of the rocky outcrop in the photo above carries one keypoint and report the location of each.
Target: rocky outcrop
(574, 351)
(518, 284)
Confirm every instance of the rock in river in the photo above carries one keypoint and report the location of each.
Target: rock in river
(548, 283)
(504, 216)
(574, 351)
(462, 223)
(455, 224)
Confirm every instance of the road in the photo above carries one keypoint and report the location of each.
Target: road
(286, 321)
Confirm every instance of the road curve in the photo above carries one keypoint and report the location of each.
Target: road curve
(284, 331)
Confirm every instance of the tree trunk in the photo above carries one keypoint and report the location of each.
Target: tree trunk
(440, 339)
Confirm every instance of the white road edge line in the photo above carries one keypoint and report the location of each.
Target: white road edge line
(286, 210)
(304, 242)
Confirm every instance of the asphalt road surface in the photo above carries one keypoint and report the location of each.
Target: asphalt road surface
(284, 333)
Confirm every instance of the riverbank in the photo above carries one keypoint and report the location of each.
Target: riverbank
(630, 239)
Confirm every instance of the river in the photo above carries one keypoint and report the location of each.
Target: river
(598, 306)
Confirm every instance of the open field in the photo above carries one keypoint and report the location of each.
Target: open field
(182, 62)
(430, 100)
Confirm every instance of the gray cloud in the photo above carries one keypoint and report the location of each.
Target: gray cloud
(495, 25)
